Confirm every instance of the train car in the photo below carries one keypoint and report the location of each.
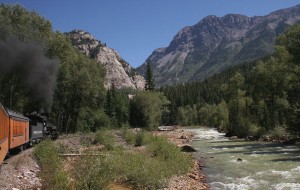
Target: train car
(40, 122)
(4, 133)
(37, 128)
(18, 130)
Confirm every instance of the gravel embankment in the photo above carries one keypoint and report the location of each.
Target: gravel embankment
(20, 172)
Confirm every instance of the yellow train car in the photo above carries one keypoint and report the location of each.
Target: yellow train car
(18, 130)
(4, 133)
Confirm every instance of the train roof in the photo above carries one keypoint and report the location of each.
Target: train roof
(36, 116)
(3, 108)
(16, 115)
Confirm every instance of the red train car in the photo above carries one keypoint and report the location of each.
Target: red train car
(4, 132)
(14, 131)
(18, 130)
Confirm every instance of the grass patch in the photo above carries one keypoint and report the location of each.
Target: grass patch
(169, 153)
(52, 173)
(153, 168)
(91, 172)
(138, 170)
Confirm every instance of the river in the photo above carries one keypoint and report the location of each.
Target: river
(263, 166)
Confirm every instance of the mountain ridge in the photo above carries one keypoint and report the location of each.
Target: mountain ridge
(216, 43)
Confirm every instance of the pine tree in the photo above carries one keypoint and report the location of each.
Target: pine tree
(149, 78)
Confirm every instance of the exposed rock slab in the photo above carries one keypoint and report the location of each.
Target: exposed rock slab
(118, 71)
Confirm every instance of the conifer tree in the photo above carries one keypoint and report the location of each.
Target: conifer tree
(149, 78)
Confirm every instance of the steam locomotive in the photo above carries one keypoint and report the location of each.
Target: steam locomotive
(18, 131)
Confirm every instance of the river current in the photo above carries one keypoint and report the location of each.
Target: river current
(264, 166)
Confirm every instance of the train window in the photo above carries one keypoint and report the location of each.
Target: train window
(17, 130)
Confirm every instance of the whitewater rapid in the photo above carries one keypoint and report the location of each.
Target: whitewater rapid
(264, 165)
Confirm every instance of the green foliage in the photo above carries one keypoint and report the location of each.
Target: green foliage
(27, 26)
(149, 170)
(139, 138)
(75, 95)
(106, 138)
(90, 120)
(92, 172)
(147, 109)
(142, 138)
(278, 132)
(289, 43)
(160, 147)
(128, 135)
(149, 78)
(52, 173)
(152, 169)
(117, 106)
(139, 170)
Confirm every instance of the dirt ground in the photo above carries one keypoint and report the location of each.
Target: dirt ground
(21, 171)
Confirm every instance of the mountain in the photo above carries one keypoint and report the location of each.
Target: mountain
(216, 43)
(118, 71)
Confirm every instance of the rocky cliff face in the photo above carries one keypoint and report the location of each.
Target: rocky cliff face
(118, 71)
(216, 43)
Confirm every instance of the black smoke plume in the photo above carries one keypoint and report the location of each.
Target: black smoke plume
(36, 71)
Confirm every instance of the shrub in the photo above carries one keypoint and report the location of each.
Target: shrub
(52, 173)
(138, 170)
(128, 135)
(278, 132)
(141, 138)
(161, 148)
(91, 172)
(105, 138)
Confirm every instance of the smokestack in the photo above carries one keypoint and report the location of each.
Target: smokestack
(36, 71)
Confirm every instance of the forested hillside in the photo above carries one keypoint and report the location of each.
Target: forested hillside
(252, 99)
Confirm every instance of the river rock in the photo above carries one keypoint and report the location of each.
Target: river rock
(187, 148)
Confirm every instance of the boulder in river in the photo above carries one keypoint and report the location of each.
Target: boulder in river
(187, 148)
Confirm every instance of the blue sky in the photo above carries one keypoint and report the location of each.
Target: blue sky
(136, 27)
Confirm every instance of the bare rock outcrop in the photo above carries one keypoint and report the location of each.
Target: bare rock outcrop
(118, 71)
